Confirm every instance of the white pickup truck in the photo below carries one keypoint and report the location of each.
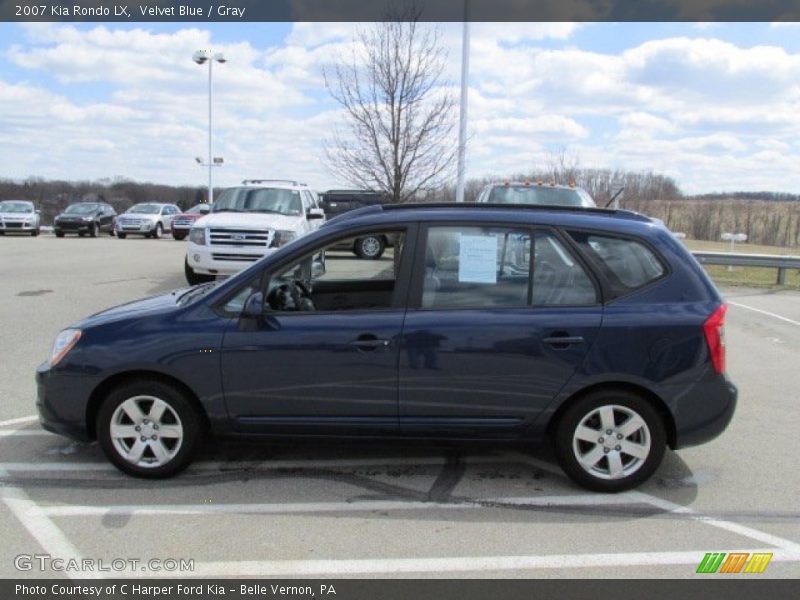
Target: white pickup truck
(248, 222)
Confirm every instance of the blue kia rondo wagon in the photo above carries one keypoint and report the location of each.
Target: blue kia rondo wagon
(594, 329)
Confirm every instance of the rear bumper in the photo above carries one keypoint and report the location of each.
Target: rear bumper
(704, 414)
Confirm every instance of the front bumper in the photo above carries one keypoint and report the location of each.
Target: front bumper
(18, 226)
(144, 228)
(62, 402)
(72, 226)
(223, 260)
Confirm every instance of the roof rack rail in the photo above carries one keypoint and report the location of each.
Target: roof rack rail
(290, 181)
(495, 206)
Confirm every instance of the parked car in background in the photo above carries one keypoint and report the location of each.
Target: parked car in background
(182, 223)
(85, 218)
(150, 219)
(19, 216)
(594, 329)
(247, 223)
(338, 202)
(537, 192)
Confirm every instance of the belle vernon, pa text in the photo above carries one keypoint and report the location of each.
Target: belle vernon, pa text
(155, 591)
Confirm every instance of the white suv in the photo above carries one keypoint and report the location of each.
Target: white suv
(150, 219)
(248, 222)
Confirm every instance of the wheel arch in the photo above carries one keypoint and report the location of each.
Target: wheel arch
(654, 399)
(104, 388)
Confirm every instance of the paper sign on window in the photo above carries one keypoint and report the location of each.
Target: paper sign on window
(477, 259)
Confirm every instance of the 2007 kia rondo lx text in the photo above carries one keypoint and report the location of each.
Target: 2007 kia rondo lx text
(593, 328)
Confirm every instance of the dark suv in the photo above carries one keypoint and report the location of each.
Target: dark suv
(593, 328)
(85, 218)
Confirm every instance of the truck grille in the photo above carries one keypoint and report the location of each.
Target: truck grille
(240, 238)
(182, 223)
(234, 257)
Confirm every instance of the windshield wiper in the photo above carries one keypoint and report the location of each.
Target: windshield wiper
(266, 210)
(195, 292)
(219, 210)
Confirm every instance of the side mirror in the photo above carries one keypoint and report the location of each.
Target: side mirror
(315, 213)
(254, 306)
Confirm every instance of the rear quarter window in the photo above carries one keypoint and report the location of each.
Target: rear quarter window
(626, 263)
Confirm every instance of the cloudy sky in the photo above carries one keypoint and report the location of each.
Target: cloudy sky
(716, 106)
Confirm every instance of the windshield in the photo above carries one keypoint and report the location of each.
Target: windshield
(539, 195)
(81, 209)
(266, 200)
(147, 209)
(198, 209)
(16, 207)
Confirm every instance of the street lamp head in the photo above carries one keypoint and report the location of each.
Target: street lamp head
(198, 160)
(220, 58)
(200, 56)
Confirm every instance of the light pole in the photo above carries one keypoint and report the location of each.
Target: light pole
(200, 57)
(462, 117)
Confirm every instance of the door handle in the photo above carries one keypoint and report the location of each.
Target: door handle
(563, 340)
(369, 343)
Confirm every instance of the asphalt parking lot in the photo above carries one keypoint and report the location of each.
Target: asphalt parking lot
(387, 510)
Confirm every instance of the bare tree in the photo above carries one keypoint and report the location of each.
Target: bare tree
(399, 118)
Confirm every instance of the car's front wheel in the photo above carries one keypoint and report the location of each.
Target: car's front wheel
(157, 232)
(178, 236)
(148, 429)
(122, 236)
(610, 440)
(93, 230)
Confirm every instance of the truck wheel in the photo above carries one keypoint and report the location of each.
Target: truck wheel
(193, 278)
(370, 247)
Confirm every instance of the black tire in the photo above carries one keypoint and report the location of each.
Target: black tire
(179, 236)
(93, 230)
(122, 236)
(193, 278)
(188, 418)
(35, 232)
(370, 247)
(641, 468)
(81, 234)
(157, 232)
(111, 232)
(59, 234)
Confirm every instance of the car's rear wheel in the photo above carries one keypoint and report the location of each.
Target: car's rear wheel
(194, 278)
(149, 429)
(610, 440)
(370, 247)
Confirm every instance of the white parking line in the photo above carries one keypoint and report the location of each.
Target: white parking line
(454, 564)
(765, 312)
(668, 506)
(328, 507)
(39, 526)
(26, 433)
(19, 421)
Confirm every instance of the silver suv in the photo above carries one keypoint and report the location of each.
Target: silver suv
(150, 219)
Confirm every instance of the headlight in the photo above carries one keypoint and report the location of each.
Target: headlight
(65, 341)
(281, 238)
(87, 219)
(197, 235)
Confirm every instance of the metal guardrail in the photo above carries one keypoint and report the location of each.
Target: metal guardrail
(770, 261)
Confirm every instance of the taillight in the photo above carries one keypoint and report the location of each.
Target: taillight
(715, 337)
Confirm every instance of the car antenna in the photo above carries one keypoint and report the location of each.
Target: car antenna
(614, 197)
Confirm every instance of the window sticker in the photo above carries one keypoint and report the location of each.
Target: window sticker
(477, 258)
